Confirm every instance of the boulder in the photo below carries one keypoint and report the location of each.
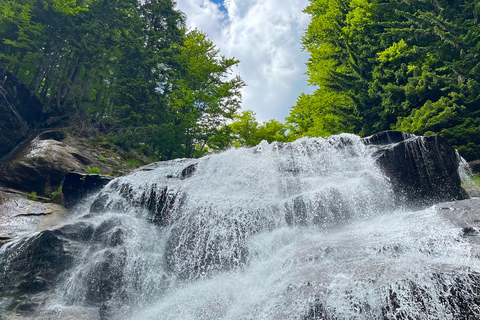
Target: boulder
(20, 216)
(423, 170)
(33, 265)
(19, 108)
(77, 186)
(41, 166)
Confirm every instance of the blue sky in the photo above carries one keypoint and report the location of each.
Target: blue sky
(220, 3)
(265, 35)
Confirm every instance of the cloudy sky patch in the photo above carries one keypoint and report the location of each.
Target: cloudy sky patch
(265, 35)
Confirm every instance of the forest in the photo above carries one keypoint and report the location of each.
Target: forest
(409, 65)
(128, 68)
(134, 72)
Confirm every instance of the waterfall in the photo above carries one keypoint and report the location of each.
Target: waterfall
(306, 230)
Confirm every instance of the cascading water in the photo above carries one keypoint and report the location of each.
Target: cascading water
(306, 230)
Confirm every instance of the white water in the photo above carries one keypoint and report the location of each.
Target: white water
(271, 233)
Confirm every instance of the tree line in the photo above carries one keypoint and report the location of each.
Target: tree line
(409, 65)
(133, 69)
(129, 67)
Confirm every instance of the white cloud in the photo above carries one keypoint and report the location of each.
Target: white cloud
(265, 35)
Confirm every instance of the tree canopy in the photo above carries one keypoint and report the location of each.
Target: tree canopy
(131, 68)
(410, 65)
(128, 66)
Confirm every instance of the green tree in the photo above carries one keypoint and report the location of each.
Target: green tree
(202, 98)
(128, 67)
(382, 64)
(245, 131)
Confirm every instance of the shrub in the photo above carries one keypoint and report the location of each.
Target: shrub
(55, 193)
(134, 163)
(93, 170)
(32, 196)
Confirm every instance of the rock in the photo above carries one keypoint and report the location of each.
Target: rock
(100, 156)
(19, 108)
(31, 265)
(475, 166)
(77, 186)
(463, 214)
(423, 170)
(387, 137)
(198, 251)
(41, 166)
(458, 292)
(159, 201)
(20, 216)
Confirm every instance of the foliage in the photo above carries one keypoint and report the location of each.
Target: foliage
(401, 64)
(127, 67)
(246, 131)
(55, 193)
(93, 170)
(32, 196)
(321, 114)
(102, 160)
(134, 163)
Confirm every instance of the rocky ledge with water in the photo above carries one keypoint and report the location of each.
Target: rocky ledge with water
(334, 228)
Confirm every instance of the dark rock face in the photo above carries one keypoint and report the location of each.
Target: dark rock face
(423, 170)
(459, 298)
(159, 200)
(77, 186)
(387, 137)
(475, 166)
(35, 264)
(32, 264)
(19, 109)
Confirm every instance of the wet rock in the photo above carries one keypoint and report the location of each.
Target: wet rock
(19, 108)
(32, 264)
(77, 186)
(463, 214)
(104, 277)
(475, 166)
(296, 214)
(110, 233)
(99, 204)
(459, 297)
(159, 201)
(195, 252)
(188, 171)
(423, 170)
(456, 294)
(387, 137)
(20, 216)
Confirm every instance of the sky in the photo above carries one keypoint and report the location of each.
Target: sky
(265, 35)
